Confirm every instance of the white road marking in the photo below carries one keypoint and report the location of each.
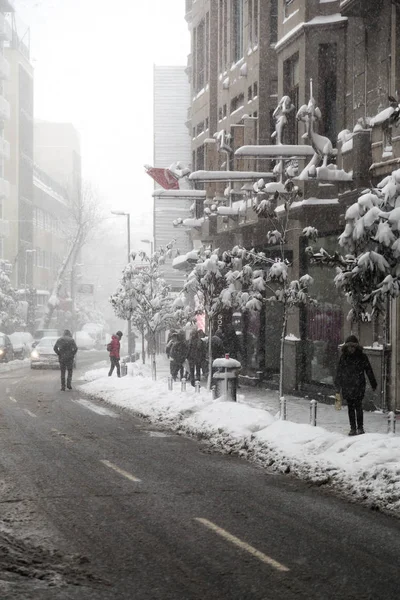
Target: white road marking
(105, 412)
(243, 545)
(107, 463)
(28, 412)
(12, 399)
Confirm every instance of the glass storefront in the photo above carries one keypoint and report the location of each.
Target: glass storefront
(324, 321)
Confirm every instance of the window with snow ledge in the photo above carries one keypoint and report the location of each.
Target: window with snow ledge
(287, 6)
(237, 29)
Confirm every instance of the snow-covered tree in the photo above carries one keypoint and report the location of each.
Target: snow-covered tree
(9, 318)
(84, 219)
(368, 268)
(268, 278)
(143, 296)
(210, 284)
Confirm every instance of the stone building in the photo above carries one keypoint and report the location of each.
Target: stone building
(340, 58)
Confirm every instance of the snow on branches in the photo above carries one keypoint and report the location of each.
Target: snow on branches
(143, 295)
(368, 271)
(9, 318)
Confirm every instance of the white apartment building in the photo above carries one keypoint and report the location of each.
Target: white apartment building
(171, 145)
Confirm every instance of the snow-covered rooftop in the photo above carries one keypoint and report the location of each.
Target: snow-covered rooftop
(276, 151)
(229, 176)
(308, 202)
(179, 194)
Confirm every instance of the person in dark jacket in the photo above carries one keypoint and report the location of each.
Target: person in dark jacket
(230, 340)
(66, 348)
(350, 381)
(196, 355)
(115, 346)
(177, 349)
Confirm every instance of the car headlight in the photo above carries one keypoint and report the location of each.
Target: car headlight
(1, 351)
(34, 354)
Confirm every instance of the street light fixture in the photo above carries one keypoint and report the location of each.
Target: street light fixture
(120, 213)
(148, 242)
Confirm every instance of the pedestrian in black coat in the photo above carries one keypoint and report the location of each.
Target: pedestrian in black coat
(196, 355)
(350, 381)
(177, 349)
(66, 348)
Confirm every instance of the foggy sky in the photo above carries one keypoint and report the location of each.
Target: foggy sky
(93, 63)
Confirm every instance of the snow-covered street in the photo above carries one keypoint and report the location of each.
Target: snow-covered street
(364, 468)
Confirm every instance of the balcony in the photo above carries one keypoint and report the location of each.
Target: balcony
(5, 29)
(4, 188)
(4, 149)
(4, 68)
(4, 109)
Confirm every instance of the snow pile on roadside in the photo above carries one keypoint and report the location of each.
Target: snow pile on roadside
(14, 365)
(365, 468)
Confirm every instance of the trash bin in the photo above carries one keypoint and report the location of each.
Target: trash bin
(124, 369)
(225, 375)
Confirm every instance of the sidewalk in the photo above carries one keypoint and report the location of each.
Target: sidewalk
(298, 409)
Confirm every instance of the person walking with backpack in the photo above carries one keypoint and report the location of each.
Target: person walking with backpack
(66, 348)
(113, 348)
(350, 381)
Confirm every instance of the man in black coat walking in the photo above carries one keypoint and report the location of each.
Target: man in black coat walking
(350, 381)
(66, 348)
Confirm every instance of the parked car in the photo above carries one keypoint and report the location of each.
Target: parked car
(41, 333)
(22, 344)
(43, 354)
(6, 348)
(84, 340)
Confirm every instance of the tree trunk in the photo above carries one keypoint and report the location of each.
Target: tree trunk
(282, 349)
(51, 304)
(143, 350)
(152, 341)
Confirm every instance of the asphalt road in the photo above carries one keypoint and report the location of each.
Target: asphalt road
(97, 504)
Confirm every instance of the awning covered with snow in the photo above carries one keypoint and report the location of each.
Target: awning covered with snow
(229, 176)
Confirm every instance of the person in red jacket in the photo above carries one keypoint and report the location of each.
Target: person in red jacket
(114, 347)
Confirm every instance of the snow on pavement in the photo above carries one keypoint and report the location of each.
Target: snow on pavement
(364, 468)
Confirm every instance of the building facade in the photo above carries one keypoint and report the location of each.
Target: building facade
(171, 146)
(343, 58)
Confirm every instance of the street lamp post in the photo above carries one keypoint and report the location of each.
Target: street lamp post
(128, 224)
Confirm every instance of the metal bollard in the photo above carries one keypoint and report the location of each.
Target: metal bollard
(214, 392)
(391, 422)
(313, 413)
(183, 384)
(170, 383)
(197, 386)
(283, 412)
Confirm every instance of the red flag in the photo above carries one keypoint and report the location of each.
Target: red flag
(163, 177)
